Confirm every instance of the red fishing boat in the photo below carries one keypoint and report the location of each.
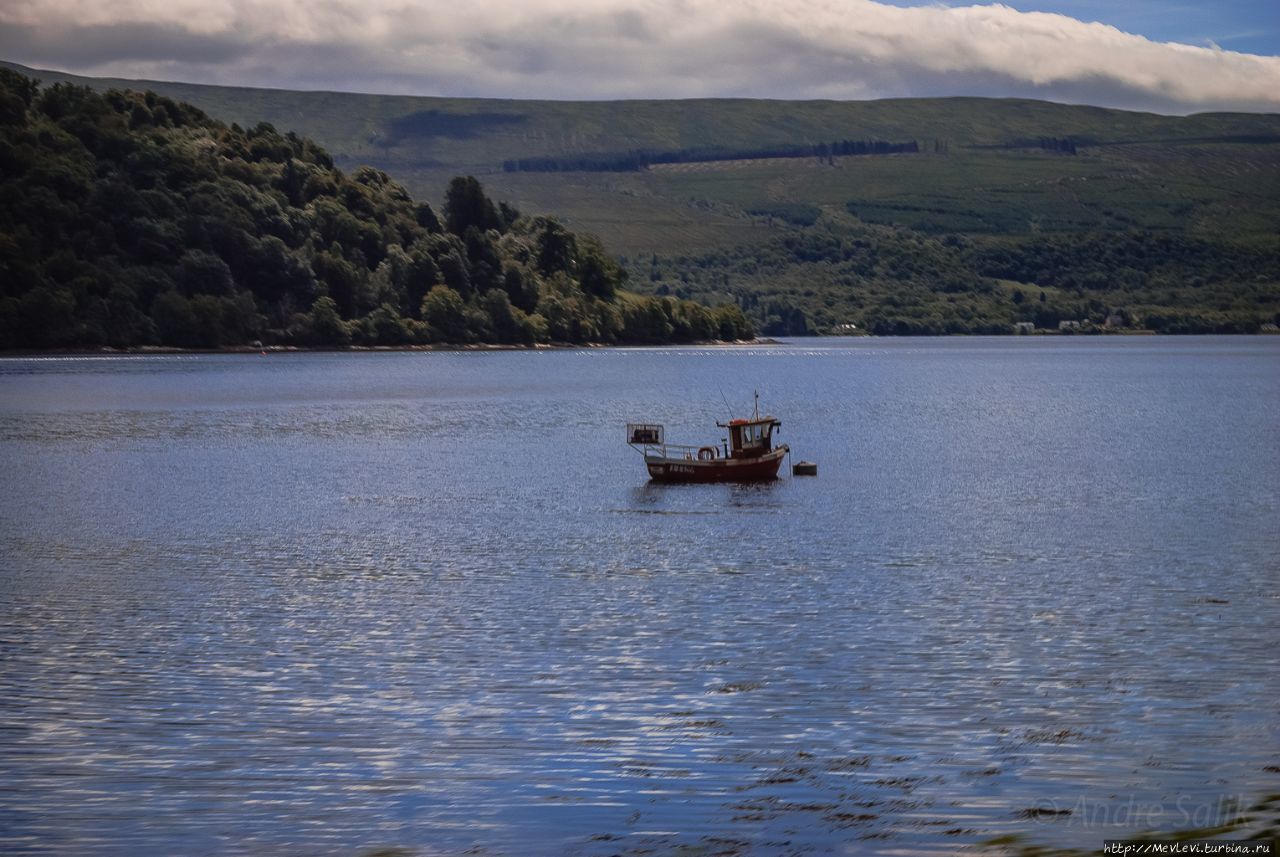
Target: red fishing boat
(746, 455)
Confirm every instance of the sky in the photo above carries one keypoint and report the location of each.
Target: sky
(1166, 56)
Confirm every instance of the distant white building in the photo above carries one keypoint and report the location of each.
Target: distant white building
(1025, 327)
(846, 327)
(1069, 325)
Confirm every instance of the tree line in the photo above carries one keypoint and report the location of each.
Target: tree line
(891, 280)
(1061, 145)
(128, 219)
(642, 159)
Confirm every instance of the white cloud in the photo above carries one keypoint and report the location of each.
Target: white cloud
(651, 49)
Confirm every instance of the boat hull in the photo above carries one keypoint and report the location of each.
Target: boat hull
(755, 469)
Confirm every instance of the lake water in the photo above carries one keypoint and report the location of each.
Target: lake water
(321, 603)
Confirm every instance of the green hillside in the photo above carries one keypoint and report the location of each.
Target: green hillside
(129, 219)
(1003, 196)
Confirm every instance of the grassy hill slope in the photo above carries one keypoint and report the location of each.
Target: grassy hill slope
(980, 179)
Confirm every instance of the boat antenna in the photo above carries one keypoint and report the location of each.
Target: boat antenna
(726, 402)
(757, 392)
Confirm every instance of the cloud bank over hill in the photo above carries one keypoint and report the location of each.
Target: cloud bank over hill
(838, 49)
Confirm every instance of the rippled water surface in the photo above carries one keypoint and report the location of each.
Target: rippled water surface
(318, 603)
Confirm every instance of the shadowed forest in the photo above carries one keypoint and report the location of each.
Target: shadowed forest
(129, 219)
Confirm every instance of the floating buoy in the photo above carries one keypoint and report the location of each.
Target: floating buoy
(804, 468)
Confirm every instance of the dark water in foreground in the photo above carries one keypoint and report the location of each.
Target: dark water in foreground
(312, 604)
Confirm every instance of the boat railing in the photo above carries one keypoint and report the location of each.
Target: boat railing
(650, 439)
(679, 451)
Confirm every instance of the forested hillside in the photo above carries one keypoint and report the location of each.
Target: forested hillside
(130, 219)
(942, 215)
(892, 281)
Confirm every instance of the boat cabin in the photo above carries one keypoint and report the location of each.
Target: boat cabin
(750, 438)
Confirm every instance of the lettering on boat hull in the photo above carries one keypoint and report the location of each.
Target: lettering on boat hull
(718, 470)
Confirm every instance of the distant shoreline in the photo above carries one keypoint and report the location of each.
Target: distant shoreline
(161, 350)
(151, 351)
(154, 350)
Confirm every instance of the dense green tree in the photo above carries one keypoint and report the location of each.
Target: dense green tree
(45, 317)
(326, 325)
(508, 322)
(387, 326)
(445, 314)
(646, 320)
(598, 274)
(196, 322)
(455, 273)
(557, 248)
(466, 205)
(427, 219)
(420, 277)
(732, 324)
(203, 273)
(522, 290)
(483, 261)
(342, 280)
